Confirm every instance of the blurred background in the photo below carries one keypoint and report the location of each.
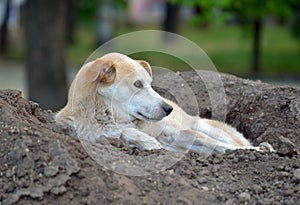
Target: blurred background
(43, 43)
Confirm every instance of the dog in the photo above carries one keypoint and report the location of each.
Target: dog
(112, 97)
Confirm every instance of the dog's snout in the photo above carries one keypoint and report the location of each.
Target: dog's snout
(167, 108)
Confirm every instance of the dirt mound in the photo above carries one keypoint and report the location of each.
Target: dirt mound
(40, 163)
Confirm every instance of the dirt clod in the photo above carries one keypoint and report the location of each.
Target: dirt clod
(244, 197)
(285, 146)
(297, 175)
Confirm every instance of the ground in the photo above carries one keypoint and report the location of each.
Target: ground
(42, 164)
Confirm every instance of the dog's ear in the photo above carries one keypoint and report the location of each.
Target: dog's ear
(103, 71)
(145, 65)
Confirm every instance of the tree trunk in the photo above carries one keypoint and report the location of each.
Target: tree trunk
(257, 29)
(45, 48)
(170, 23)
(105, 21)
(3, 30)
(71, 20)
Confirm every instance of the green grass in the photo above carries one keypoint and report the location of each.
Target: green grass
(230, 50)
(228, 47)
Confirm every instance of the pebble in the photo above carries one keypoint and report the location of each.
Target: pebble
(10, 173)
(50, 171)
(252, 156)
(36, 193)
(257, 189)
(183, 200)
(297, 175)
(58, 190)
(288, 192)
(244, 197)
(205, 188)
(285, 146)
(284, 174)
(202, 180)
(167, 180)
(218, 159)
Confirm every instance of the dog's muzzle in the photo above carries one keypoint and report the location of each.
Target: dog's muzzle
(167, 108)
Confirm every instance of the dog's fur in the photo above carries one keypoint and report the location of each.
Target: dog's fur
(112, 97)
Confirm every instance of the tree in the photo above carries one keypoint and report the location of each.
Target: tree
(170, 23)
(3, 26)
(71, 20)
(45, 37)
(251, 14)
(171, 18)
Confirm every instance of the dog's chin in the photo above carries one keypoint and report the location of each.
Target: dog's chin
(141, 116)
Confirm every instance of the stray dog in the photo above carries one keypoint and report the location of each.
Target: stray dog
(112, 97)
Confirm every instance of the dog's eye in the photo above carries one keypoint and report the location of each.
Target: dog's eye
(138, 84)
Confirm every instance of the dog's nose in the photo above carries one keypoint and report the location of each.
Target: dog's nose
(167, 108)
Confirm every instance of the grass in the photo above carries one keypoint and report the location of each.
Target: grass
(230, 50)
(158, 184)
(228, 47)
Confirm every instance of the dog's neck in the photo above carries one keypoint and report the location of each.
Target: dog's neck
(106, 111)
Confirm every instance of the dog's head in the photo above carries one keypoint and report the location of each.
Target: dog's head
(126, 84)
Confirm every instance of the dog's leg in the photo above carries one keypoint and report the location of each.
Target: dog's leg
(220, 131)
(192, 140)
(227, 134)
(135, 138)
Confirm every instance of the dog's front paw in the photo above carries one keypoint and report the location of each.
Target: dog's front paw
(135, 138)
(265, 146)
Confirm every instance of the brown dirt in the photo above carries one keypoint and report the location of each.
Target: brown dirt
(41, 164)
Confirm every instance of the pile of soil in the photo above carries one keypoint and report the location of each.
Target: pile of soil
(41, 163)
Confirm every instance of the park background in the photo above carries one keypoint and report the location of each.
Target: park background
(43, 43)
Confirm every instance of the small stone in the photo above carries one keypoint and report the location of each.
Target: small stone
(50, 171)
(59, 180)
(204, 172)
(252, 156)
(58, 190)
(288, 192)
(285, 146)
(218, 159)
(297, 175)
(8, 188)
(231, 83)
(27, 163)
(231, 202)
(10, 173)
(167, 180)
(205, 188)
(257, 189)
(284, 174)
(202, 180)
(280, 168)
(183, 200)
(72, 166)
(291, 97)
(244, 197)
(36, 193)
(171, 171)
(178, 73)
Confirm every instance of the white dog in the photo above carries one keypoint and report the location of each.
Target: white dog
(112, 97)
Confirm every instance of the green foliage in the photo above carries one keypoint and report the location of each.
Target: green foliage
(296, 26)
(246, 9)
(158, 184)
(86, 9)
(257, 9)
